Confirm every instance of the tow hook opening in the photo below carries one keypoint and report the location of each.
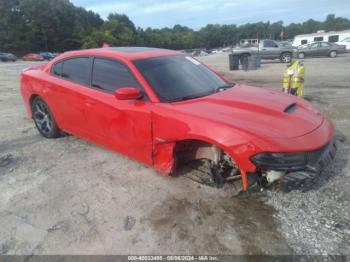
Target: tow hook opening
(287, 181)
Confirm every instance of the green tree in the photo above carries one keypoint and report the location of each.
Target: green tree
(58, 25)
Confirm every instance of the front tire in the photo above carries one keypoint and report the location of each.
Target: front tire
(43, 118)
(286, 58)
(301, 55)
(333, 54)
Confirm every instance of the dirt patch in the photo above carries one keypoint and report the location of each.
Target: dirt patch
(20, 142)
(223, 226)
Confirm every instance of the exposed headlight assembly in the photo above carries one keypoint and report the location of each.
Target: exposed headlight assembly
(280, 161)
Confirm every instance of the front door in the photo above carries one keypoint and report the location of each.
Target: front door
(269, 49)
(123, 125)
(66, 93)
(313, 49)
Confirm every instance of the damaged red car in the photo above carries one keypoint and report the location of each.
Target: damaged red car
(167, 110)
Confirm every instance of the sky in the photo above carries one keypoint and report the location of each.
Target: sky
(198, 13)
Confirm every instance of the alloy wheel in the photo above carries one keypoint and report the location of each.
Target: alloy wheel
(42, 117)
(286, 58)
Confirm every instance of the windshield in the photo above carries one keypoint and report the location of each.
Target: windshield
(176, 78)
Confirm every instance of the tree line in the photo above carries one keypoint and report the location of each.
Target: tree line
(58, 25)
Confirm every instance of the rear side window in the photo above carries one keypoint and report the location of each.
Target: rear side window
(324, 44)
(303, 42)
(109, 75)
(333, 38)
(57, 69)
(77, 70)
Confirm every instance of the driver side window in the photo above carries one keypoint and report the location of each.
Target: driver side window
(109, 75)
(314, 45)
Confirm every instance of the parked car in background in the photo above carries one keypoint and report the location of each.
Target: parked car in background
(4, 57)
(33, 57)
(267, 49)
(226, 49)
(216, 51)
(346, 43)
(48, 55)
(320, 49)
(199, 52)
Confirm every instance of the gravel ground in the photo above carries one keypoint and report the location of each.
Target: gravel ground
(317, 221)
(67, 196)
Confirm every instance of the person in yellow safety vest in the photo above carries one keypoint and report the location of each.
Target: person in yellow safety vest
(293, 79)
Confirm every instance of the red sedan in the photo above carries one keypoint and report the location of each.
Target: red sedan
(168, 110)
(33, 57)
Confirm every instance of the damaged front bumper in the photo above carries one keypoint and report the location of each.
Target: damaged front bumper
(296, 177)
(317, 161)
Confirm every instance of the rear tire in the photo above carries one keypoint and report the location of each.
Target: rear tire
(286, 58)
(301, 55)
(333, 54)
(43, 118)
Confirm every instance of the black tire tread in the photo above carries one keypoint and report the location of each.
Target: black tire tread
(55, 132)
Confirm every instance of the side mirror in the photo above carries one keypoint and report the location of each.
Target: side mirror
(127, 93)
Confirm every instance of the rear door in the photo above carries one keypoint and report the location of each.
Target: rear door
(67, 93)
(123, 125)
(324, 49)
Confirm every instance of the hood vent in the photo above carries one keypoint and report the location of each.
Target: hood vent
(291, 108)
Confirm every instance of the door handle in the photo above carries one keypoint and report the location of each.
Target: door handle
(89, 102)
(46, 89)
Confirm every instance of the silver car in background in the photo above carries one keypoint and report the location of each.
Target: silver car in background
(320, 49)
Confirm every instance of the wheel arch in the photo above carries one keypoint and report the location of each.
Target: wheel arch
(165, 153)
(31, 99)
(329, 53)
(286, 52)
(204, 148)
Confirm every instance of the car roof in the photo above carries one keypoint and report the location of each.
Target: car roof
(130, 53)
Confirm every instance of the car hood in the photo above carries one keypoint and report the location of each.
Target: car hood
(262, 112)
